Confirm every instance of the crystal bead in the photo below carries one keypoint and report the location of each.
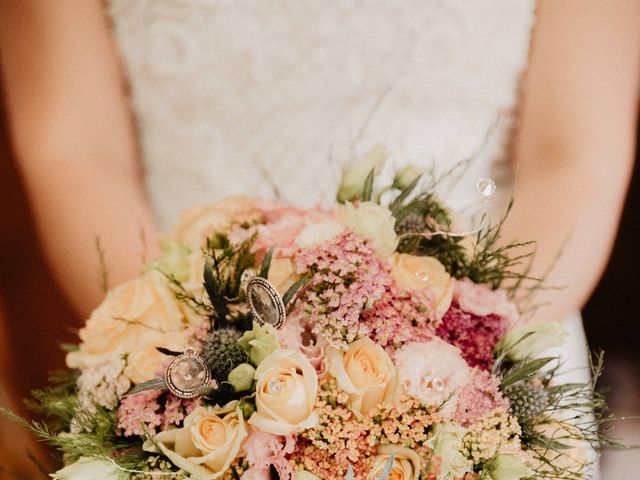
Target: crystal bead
(275, 386)
(486, 187)
(437, 384)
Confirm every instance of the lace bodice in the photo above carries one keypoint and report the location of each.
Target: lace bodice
(266, 97)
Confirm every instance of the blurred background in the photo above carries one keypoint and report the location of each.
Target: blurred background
(33, 312)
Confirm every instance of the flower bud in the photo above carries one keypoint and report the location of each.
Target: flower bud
(355, 175)
(241, 377)
(406, 176)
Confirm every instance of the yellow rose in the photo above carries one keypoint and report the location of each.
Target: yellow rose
(133, 319)
(418, 273)
(406, 463)
(282, 274)
(286, 392)
(207, 443)
(197, 224)
(366, 373)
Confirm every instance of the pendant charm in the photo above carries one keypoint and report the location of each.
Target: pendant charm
(187, 374)
(265, 301)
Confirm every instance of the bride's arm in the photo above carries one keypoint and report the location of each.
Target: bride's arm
(576, 140)
(73, 141)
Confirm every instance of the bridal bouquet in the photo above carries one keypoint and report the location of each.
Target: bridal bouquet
(367, 341)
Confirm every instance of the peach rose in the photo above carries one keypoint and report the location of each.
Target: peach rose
(419, 273)
(286, 392)
(207, 443)
(407, 464)
(282, 274)
(133, 319)
(197, 224)
(366, 373)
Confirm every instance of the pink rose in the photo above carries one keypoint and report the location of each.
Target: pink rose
(298, 334)
(264, 450)
(433, 372)
(480, 300)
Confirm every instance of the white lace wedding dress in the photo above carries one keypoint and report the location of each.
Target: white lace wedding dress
(273, 97)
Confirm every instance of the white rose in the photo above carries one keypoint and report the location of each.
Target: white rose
(286, 392)
(413, 272)
(355, 175)
(318, 233)
(366, 373)
(207, 443)
(373, 221)
(529, 340)
(88, 468)
(508, 467)
(407, 464)
(446, 442)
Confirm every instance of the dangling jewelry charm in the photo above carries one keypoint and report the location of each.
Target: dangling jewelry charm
(265, 301)
(187, 374)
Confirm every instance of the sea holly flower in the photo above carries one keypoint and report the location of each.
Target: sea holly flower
(526, 341)
(355, 175)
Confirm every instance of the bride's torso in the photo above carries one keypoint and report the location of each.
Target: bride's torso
(247, 96)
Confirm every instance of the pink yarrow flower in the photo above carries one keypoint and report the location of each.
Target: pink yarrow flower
(347, 277)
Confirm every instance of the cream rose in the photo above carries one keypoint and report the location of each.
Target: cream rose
(197, 224)
(373, 221)
(282, 274)
(286, 392)
(366, 373)
(134, 318)
(207, 443)
(407, 464)
(418, 273)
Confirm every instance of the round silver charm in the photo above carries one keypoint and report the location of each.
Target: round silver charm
(265, 302)
(187, 374)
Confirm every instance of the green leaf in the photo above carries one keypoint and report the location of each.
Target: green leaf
(266, 264)
(397, 203)
(293, 289)
(524, 370)
(166, 351)
(367, 190)
(213, 290)
(155, 384)
(387, 468)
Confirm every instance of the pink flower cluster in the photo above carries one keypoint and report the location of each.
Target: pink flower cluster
(347, 278)
(478, 398)
(145, 412)
(474, 335)
(399, 317)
